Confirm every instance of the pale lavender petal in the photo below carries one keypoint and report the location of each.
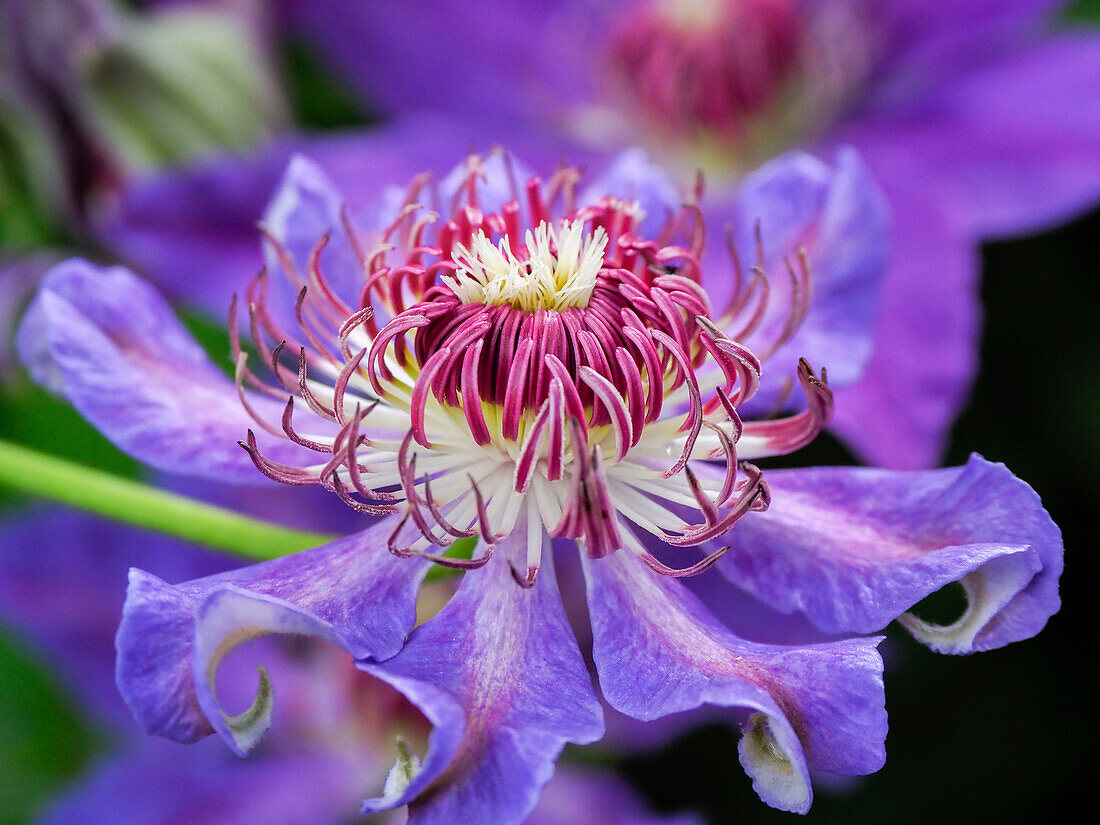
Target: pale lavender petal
(632, 175)
(593, 796)
(499, 175)
(160, 783)
(500, 676)
(925, 336)
(659, 651)
(305, 209)
(352, 592)
(855, 548)
(112, 347)
(837, 215)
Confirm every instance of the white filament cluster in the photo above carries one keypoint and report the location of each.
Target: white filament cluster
(692, 15)
(558, 272)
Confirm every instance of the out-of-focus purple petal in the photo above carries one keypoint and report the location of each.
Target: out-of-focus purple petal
(925, 334)
(489, 60)
(659, 651)
(1009, 146)
(112, 347)
(19, 278)
(352, 592)
(159, 783)
(854, 548)
(499, 674)
(592, 796)
(837, 215)
(1013, 146)
(927, 45)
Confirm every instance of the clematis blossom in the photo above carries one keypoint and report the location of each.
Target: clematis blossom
(538, 365)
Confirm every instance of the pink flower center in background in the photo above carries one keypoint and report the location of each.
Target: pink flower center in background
(535, 371)
(706, 64)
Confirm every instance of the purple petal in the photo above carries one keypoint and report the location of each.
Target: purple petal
(742, 614)
(837, 215)
(855, 548)
(925, 335)
(658, 651)
(500, 676)
(160, 783)
(575, 796)
(351, 592)
(489, 60)
(109, 344)
(1030, 152)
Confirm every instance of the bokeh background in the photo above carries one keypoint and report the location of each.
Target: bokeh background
(1006, 736)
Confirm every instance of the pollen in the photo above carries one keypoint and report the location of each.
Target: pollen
(557, 269)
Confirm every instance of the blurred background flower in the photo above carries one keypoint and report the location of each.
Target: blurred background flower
(96, 97)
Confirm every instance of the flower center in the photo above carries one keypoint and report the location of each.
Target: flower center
(570, 322)
(555, 270)
(706, 66)
(532, 371)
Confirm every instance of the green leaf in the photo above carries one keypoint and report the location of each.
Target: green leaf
(45, 741)
(1084, 10)
(315, 97)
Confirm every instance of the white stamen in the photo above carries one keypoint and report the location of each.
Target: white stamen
(403, 772)
(558, 272)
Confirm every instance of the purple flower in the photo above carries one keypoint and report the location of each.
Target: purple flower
(976, 119)
(535, 360)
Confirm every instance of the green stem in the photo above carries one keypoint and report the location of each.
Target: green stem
(37, 474)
